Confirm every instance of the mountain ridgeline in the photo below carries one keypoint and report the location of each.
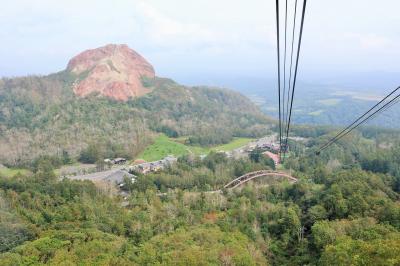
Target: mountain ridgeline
(62, 113)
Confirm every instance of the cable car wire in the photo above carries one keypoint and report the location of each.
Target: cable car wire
(291, 62)
(357, 120)
(389, 105)
(383, 108)
(296, 70)
(279, 72)
(360, 120)
(284, 69)
(373, 115)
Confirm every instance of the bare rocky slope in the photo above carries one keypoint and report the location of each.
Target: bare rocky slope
(114, 71)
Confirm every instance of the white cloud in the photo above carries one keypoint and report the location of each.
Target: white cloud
(374, 42)
(162, 27)
(166, 31)
(41, 35)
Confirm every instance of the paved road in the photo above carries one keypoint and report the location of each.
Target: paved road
(114, 175)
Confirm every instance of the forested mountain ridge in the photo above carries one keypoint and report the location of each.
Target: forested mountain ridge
(41, 115)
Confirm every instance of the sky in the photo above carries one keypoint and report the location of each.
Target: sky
(204, 41)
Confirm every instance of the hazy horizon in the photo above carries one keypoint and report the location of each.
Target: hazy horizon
(197, 43)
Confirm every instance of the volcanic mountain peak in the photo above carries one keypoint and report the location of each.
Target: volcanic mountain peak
(113, 71)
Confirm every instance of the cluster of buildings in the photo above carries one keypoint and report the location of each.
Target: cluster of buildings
(144, 167)
(147, 167)
(115, 161)
(268, 145)
(270, 148)
(117, 174)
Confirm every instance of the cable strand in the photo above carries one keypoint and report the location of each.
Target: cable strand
(279, 73)
(361, 117)
(284, 68)
(354, 125)
(295, 71)
(291, 62)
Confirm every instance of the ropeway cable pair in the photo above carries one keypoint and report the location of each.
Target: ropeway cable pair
(388, 101)
(286, 105)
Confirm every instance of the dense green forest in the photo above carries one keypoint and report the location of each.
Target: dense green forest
(41, 116)
(344, 210)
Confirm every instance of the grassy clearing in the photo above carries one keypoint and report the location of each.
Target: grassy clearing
(234, 144)
(180, 139)
(330, 102)
(316, 113)
(363, 96)
(366, 97)
(198, 150)
(164, 146)
(10, 172)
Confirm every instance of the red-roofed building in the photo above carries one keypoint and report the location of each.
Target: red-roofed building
(139, 161)
(273, 156)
